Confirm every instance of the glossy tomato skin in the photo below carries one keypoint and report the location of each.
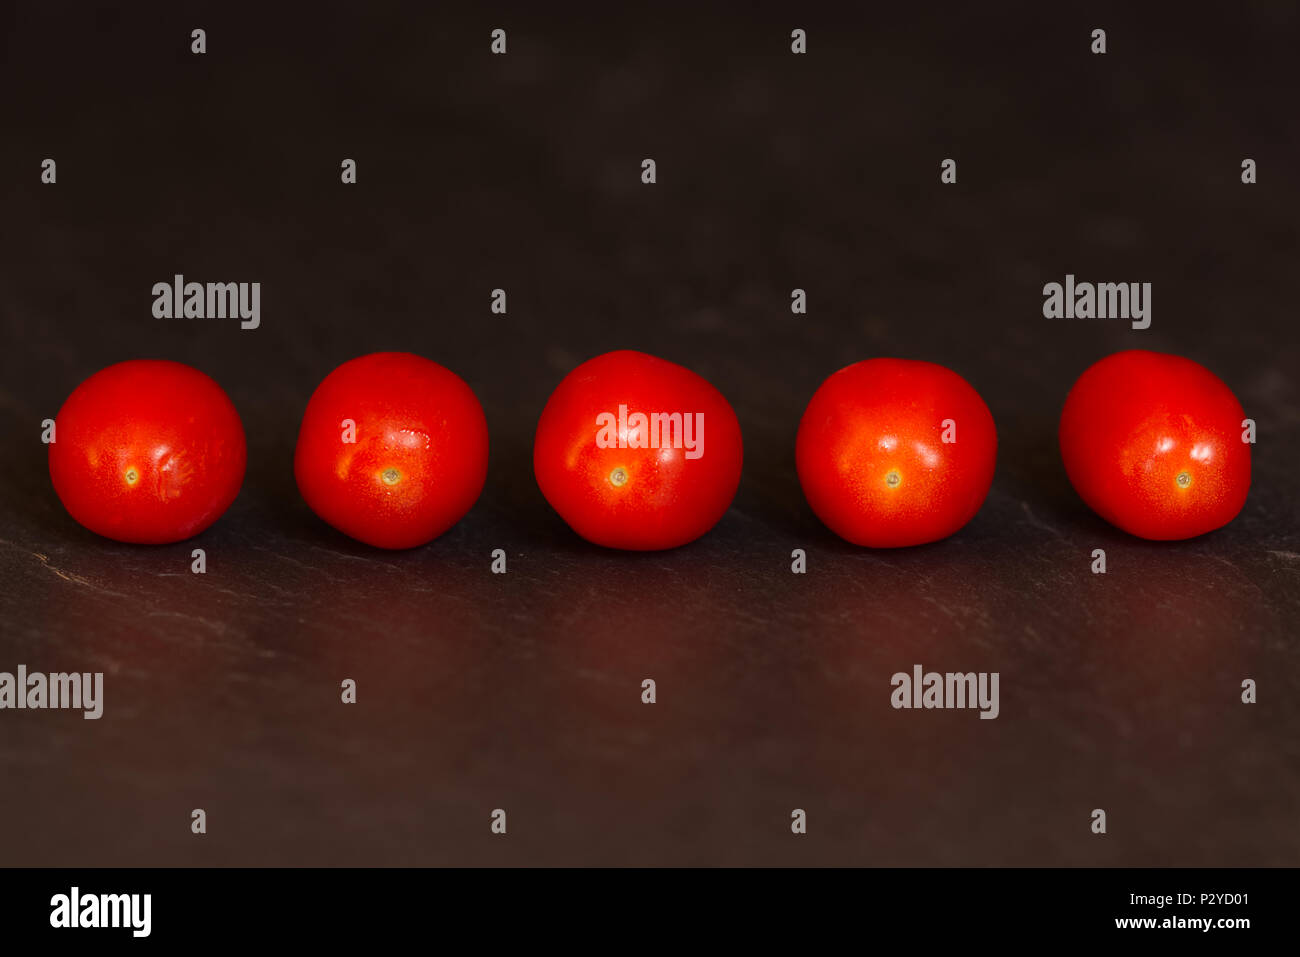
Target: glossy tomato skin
(639, 499)
(871, 455)
(419, 455)
(147, 451)
(1152, 443)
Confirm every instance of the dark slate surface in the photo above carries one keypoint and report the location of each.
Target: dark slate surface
(522, 691)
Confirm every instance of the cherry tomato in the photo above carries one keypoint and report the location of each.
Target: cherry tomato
(894, 452)
(1153, 444)
(393, 449)
(637, 452)
(147, 451)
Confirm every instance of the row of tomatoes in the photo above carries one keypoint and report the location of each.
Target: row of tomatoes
(393, 450)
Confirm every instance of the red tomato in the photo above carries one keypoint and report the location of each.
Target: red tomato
(393, 450)
(147, 451)
(894, 452)
(637, 452)
(1153, 443)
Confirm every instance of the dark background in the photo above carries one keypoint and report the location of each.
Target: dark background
(776, 171)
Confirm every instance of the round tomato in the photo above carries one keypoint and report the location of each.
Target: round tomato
(393, 450)
(637, 452)
(1153, 444)
(147, 451)
(894, 452)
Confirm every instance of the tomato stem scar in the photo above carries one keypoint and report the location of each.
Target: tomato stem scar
(391, 476)
(1183, 480)
(892, 478)
(618, 477)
